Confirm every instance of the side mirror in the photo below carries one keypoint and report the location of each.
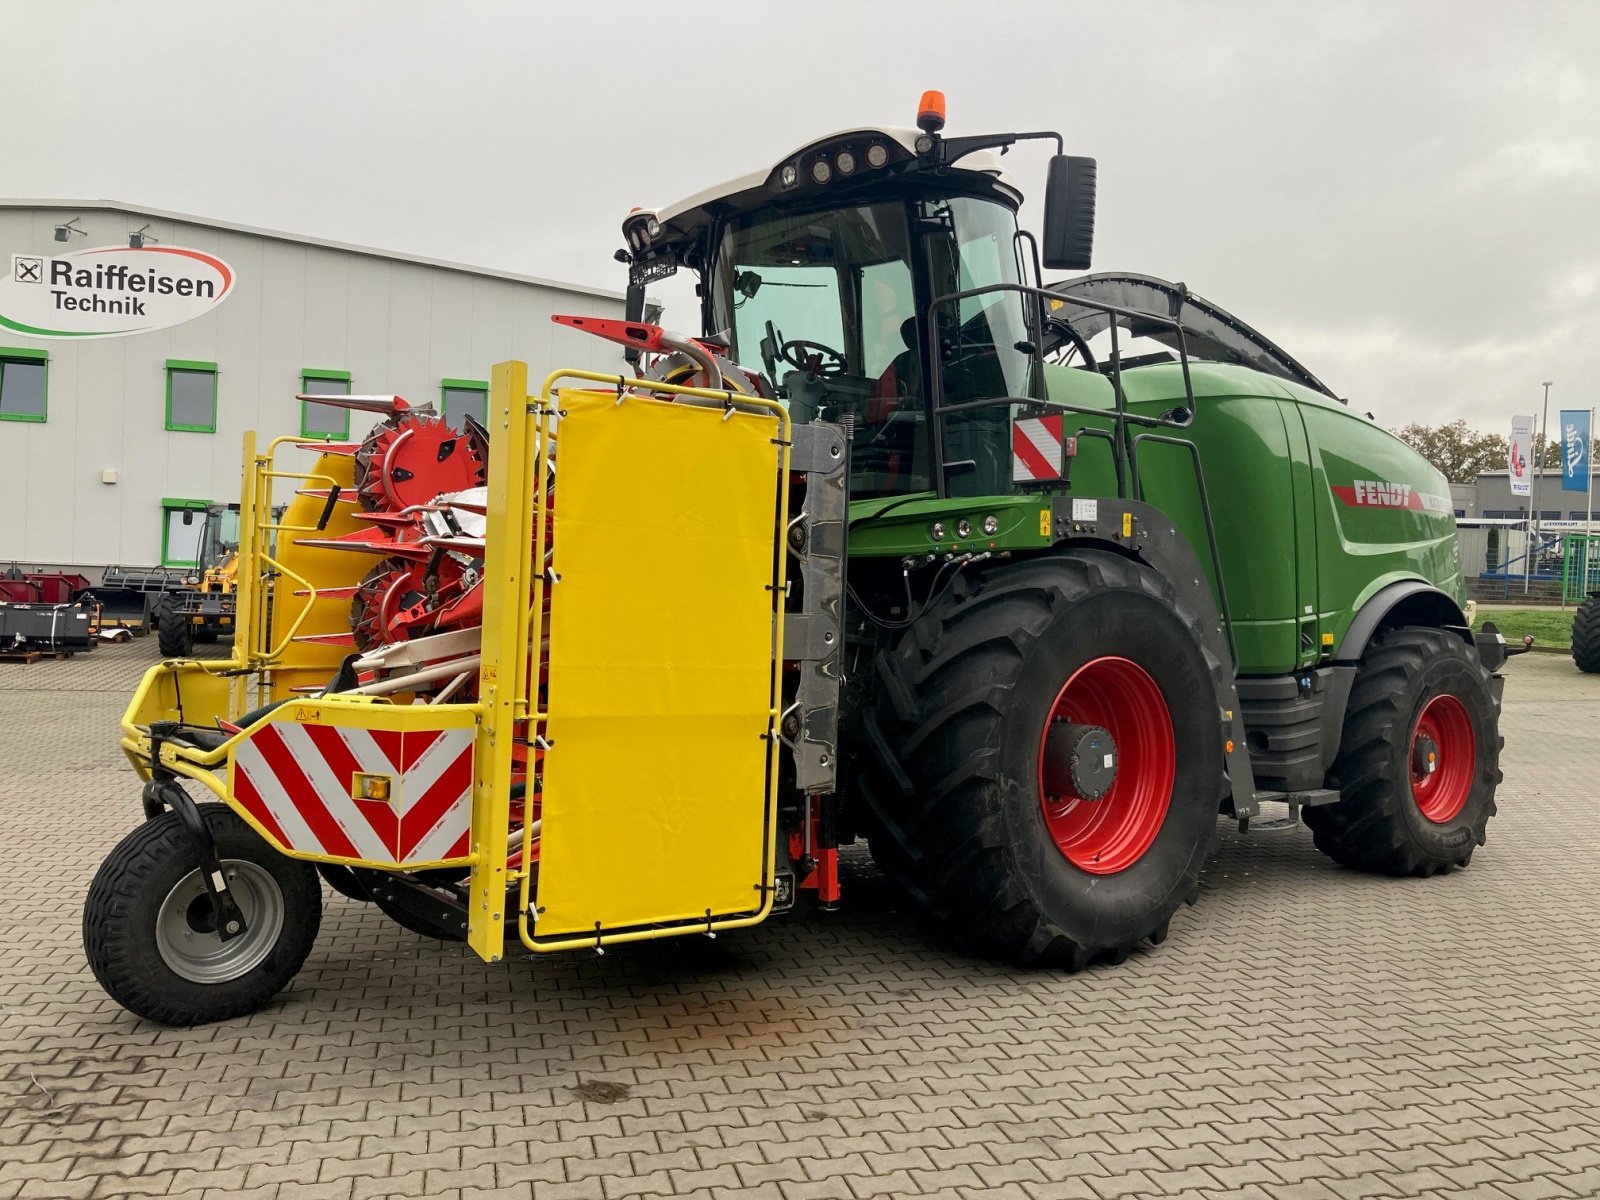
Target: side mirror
(188, 516)
(1069, 213)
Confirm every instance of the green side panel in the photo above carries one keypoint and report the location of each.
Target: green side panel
(1315, 508)
(1371, 536)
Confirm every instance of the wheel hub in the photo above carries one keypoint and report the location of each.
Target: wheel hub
(186, 925)
(1107, 765)
(1444, 756)
(1079, 760)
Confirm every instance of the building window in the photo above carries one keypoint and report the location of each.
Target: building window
(191, 395)
(182, 523)
(460, 398)
(22, 384)
(324, 420)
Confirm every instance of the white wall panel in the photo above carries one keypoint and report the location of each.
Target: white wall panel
(395, 325)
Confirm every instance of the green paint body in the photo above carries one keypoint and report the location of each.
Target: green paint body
(1315, 507)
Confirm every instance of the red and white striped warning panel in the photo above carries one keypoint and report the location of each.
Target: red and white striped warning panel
(1036, 449)
(370, 795)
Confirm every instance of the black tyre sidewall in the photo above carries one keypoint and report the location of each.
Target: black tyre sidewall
(1458, 676)
(1135, 626)
(126, 896)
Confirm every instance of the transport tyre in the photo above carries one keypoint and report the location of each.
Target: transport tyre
(174, 631)
(149, 929)
(1419, 759)
(1586, 636)
(1041, 762)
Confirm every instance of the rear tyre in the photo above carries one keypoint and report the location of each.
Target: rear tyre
(149, 930)
(174, 630)
(1418, 761)
(1586, 636)
(975, 817)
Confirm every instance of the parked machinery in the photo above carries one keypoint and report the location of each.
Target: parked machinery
(1023, 584)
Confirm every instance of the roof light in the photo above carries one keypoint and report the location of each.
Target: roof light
(652, 228)
(789, 176)
(930, 112)
(963, 528)
(924, 143)
(877, 154)
(821, 172)
(991, 524)
(845, 161)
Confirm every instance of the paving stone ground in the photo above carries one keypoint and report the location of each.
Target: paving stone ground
(1306, 1032)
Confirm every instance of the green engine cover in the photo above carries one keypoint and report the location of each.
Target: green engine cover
(1315, 507)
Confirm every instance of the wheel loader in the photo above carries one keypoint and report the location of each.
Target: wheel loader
(929, 538)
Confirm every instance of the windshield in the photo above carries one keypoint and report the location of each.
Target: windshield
(827, 304)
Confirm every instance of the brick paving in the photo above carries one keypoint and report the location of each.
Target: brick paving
(1305, 1032)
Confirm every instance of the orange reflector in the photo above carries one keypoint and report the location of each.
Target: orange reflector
(930, 112)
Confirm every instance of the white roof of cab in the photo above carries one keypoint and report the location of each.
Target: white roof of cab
(980, 162)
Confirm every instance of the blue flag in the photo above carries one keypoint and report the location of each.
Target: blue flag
(1575, 450)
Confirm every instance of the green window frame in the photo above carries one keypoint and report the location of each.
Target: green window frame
(182, 367)
(478, 386)
(312, 380)
(169, 506)
(25, 356)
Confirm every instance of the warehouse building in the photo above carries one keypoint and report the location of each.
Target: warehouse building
(137, 347)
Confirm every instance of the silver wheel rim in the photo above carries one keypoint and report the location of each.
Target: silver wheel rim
(185, 925)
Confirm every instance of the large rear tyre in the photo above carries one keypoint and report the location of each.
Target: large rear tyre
(149, 929)
(1418, 761)
(1043, 762)
(174, 630)
(1586, 636)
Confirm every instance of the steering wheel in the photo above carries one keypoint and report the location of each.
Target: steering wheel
(794, 353)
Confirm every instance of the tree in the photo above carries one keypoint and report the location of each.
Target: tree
(1460, 453)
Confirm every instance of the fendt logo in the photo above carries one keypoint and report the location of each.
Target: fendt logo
(1376, 493)
(111, 291)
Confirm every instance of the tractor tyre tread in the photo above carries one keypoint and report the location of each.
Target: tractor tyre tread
(1375, 825)
(1586, 636)
(934, 820)
(174, 631)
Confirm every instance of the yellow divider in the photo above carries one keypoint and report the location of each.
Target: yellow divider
(658, 788)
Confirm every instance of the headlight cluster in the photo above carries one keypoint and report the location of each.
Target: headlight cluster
(641, 230)
(823, 166)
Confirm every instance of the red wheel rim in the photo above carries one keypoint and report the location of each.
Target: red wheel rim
(1109, 835)
(1441, 792)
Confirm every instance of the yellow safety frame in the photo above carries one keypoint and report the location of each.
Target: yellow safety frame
(524, 429)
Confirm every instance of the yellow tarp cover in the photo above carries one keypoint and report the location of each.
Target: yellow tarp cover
(657, 802)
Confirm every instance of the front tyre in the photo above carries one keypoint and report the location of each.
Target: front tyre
(149, 929)
(1418, 761)
(174, 630)
(1586, 636)
(1043, 761)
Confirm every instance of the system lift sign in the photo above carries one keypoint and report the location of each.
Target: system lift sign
(111, 291)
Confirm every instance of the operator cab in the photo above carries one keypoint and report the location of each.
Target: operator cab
(847, 269)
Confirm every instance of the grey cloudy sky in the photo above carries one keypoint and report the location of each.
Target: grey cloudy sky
(1405, 196)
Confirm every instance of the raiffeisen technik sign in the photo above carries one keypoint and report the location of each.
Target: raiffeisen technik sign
(111, 291)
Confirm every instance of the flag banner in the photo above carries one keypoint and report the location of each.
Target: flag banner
(1519, 457)
(1575, 450)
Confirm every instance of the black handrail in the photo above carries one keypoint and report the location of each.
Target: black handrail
(1123, 443)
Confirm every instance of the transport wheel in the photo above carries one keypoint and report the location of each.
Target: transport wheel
(1586, 635)
(1418, 760)
(149, 930)
(1048, 771)
(174, 632)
